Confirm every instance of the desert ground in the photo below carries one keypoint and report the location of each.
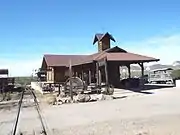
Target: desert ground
(154, 112)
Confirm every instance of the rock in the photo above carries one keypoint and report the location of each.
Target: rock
(64, 100)
(75, 99)
(110, 91)
(87, 98)
(62, 94)
(68, 100)
(104, 90)
(104, 97)
(108, 97)
(51, 100)
(59, 101)
(83, 98)
(107, 90)
(93, 98)
(100, 97)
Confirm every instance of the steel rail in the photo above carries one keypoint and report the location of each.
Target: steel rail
(19, 110)
(37, 108)
(39, 112)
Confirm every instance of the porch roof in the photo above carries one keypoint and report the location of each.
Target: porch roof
(127, 57)
(112, 54)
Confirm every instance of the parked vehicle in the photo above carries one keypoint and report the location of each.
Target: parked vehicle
(161, 76)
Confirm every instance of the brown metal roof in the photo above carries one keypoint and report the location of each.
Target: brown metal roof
(99, 37)
(62, 60)
(112, 54)
(95, 56)
(128, 57)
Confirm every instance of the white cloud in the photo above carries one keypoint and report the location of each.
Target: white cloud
(20, 67)
(166, 48)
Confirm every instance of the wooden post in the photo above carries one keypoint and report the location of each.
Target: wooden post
(142, 69)
(89, 76)
(142, 75)
(70, 76)
(76, 74)
(129, 71)
(82, 74)
(106, 71)
(59, 89)
(97, 73)
(99, 77)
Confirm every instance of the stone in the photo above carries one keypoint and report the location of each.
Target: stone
(51, 100)
(87, 98)
(59, 101)
(75, 99)
(62, 94)
(108, 97)
(83, 98)
(93, 98)
(104, 97)
(100, 97)
(104, 90)
(110, 91)
(67, 100)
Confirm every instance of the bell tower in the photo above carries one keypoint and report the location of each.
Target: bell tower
(103, 41)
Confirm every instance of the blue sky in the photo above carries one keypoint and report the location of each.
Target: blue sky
(31, 28)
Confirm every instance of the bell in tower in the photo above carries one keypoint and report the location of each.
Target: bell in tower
(103, 41)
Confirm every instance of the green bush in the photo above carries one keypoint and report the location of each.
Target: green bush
(175, 74)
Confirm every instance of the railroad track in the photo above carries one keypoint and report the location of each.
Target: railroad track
(37, 108)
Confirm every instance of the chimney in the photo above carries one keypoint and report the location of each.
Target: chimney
(103, 41)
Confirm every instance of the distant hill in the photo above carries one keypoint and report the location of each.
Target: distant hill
(175, 65)
(159, 66)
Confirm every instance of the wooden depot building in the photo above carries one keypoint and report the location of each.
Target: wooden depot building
(103, 66)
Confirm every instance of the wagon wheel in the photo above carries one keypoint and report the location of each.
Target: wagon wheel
(77, 85)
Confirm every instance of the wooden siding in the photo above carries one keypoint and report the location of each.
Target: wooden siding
(104, 44)
(59, 74)
(50, 74)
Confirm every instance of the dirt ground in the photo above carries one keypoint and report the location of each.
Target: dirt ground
(154, 112)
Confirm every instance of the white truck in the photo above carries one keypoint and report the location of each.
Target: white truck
(161, 76)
